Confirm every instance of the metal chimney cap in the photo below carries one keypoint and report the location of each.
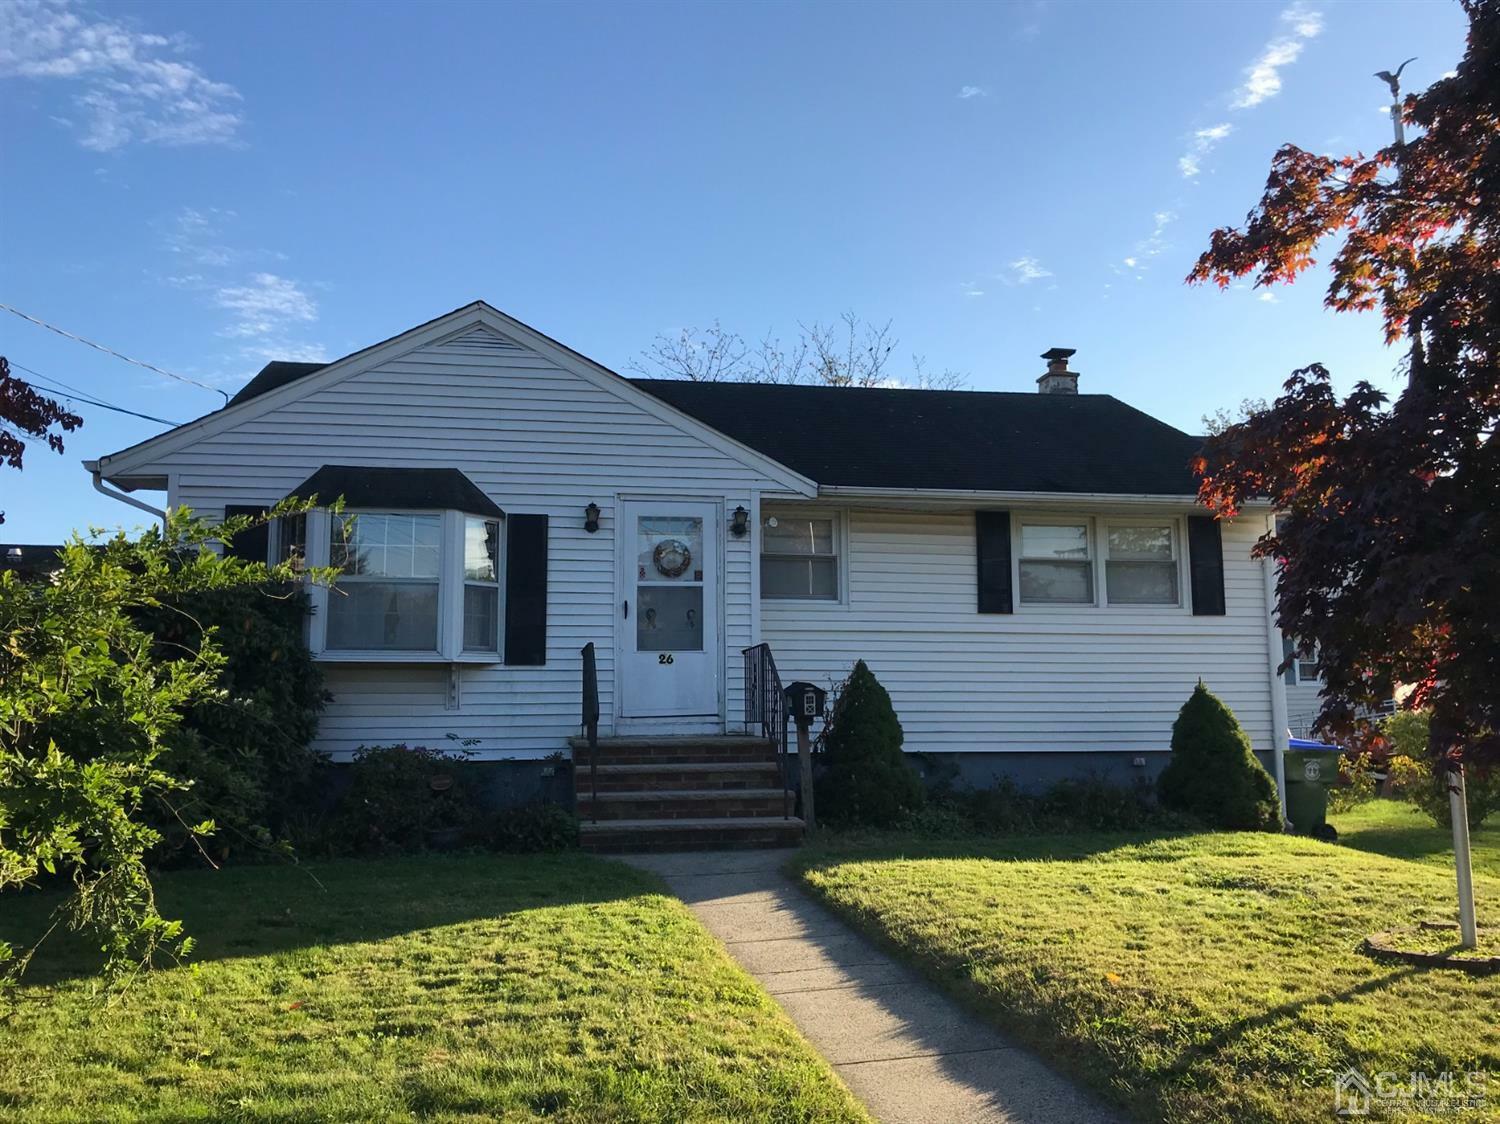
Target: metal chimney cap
(1059, 353)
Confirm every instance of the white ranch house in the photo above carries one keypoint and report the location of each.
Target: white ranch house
(1026, 573)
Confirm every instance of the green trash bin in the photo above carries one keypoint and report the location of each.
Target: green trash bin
(1312, 769)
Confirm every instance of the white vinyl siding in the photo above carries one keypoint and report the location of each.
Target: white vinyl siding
(1047, 678)
(535, 438)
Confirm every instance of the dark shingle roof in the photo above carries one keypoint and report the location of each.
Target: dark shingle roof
(957, 440)
(274, 374)
(422, 488)
(946, 439)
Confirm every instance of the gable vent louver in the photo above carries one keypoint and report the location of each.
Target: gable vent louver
(482, 341)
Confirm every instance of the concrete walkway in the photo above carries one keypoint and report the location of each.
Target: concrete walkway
(909, 1052)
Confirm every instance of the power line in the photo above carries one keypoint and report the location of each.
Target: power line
(111, 351)
(60, 387)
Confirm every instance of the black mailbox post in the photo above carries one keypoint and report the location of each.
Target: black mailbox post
(804, 702)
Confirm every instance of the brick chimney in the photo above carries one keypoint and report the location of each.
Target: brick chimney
(1058, 379)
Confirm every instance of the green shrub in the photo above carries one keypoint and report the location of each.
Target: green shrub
(1075, 804)
(1213, 775)
(404, 798)
(534, 827)
(1092, 804)
(1357, 783)
(1001, 809)
(245, 754)
(865, 778)
(1414, 777)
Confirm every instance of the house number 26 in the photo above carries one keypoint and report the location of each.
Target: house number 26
(664, 657)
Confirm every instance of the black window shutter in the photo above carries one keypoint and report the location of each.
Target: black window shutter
(526, 590)
(1206, 565)
(992, 535)
(253, 544)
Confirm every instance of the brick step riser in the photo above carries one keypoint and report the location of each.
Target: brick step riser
(667, 759)
(667, 781)
(733, 839)
(647, 809)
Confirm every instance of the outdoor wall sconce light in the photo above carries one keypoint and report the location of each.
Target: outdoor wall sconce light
(591, 518)
(739, 522)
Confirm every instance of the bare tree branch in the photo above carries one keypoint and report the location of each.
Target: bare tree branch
(850, 352)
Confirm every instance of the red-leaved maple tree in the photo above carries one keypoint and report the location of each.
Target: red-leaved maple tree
(25, 413)
(1390, 543)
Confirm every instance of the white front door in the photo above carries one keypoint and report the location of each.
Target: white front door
(669, 652)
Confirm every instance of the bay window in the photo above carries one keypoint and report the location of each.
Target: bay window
(386, 598)
(411, 585)
(481, 584)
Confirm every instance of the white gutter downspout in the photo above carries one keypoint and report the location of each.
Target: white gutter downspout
(1280, 725)
(105, 490)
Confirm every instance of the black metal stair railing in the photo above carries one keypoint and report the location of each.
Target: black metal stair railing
(765, 706)
(591, 724)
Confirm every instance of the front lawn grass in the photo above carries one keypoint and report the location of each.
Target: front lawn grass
(1209, 977)
(1403, 831)
(446, 987)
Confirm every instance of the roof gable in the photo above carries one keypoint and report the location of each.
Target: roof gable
(476, 325)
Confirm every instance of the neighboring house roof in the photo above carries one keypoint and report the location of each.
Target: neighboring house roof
(958, 440)
(421, 488)
(29, 559)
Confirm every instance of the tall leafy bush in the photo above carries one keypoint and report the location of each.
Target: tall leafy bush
(1213, 774)
(1425, 783)
(88, 706)
(245, 751)
(865, 778)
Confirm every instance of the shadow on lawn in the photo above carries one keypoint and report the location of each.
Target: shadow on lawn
(257, 910)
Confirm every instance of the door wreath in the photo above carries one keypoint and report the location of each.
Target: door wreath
(672, 557)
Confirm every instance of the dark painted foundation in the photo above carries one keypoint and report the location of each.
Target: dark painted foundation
(1037, 772)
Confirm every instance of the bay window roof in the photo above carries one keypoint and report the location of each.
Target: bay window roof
(420, 489)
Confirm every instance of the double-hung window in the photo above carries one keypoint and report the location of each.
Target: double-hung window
(799, 557)
(1141, 563)
(1056, 565)
(390, 571)
(1304, 668)
(481, 584)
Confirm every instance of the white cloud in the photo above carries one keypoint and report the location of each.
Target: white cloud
(1268, 297)
(1263, 76)
(266, 305)
(195, 236)
(1025, 270)
(1190, 163)
(288, 352)
(131, 89)
(973, 92)
(1130, 263)
(971, 289)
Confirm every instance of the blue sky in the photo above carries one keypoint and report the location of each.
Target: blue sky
(205, 186)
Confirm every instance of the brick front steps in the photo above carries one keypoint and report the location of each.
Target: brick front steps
(682, 794)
